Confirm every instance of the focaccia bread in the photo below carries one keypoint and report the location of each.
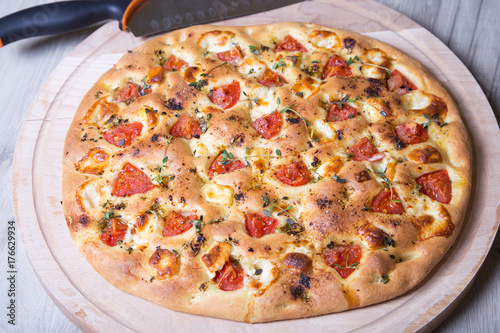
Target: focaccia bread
(266, 172)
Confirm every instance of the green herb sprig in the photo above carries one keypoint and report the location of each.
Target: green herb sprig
(248, 156)
(199, 224)
(346, 99)
(203, 82)
(145, 86)
(384, 279)
(430, 120)
(356, 59)
(288, 108)
(205, 123)
(254, 50)
(227, 157)
(250, 101)
(292, 227)
(388, 183)
(160, 177)
(279, 64)
(339, 180)
(353, 265)
(104, 221)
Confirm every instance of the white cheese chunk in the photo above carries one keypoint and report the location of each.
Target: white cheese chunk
(325, 39)
(198, 148)
(325, 129)
(219, 194)
(415, 100)
(91, 194)
(216, 256)
(216, 41)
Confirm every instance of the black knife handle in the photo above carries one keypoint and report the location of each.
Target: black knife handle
(58, 17)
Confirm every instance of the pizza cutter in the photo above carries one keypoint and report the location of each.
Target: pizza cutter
(141, 17)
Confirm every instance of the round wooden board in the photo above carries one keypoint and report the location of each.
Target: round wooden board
(94, 305)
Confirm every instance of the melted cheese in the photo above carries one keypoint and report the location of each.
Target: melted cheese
(375, 56)
(260, 281)
(258, 158)
(326, 129)
(93, 194)
(307, 86)
(148, 116)
(141, 236)
(325, 39)
(267, 102)
(373, 109)
(415, 100)
(198, 148)
(373, 72)
(216, 41)
(330, 167)
(252, 67)
(219, 194)
(216, 256)
(300, 247)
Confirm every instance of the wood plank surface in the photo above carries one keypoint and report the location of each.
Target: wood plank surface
(38, 57)
(471, 29)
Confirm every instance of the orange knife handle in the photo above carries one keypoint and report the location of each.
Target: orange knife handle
(59, 17)
(128, 12)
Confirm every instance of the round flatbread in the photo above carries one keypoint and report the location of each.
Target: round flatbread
(265, 172)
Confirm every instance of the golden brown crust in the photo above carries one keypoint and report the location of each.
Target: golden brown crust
(286, 274)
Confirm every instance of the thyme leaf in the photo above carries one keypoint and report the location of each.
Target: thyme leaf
(339, 180)
(279, 64)
(356, 59)
(254, 50)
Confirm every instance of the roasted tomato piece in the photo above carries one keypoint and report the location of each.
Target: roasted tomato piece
(116, 231)
(412, 133)
(130, 181)
(294, 174)
(336, 66)
(436, 185)
(290, 44)
(269, 126)
(259, 225)
(224, 164)
(232, 56)
(399, 84)
(386, 203)
(155, 75)
(271, 79)
(177, 224)
(123, 135)
(363, 150)
(127, 93)
(344, 258)
(186, 127)
(226, 96)
(173, 63)
(337, 114)
(230, 277)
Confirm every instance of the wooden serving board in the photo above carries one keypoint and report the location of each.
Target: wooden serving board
(94, 305)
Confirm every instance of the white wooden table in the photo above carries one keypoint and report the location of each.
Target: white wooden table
(469, 27)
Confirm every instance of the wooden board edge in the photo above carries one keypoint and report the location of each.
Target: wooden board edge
(26, 215)
(17, 214)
